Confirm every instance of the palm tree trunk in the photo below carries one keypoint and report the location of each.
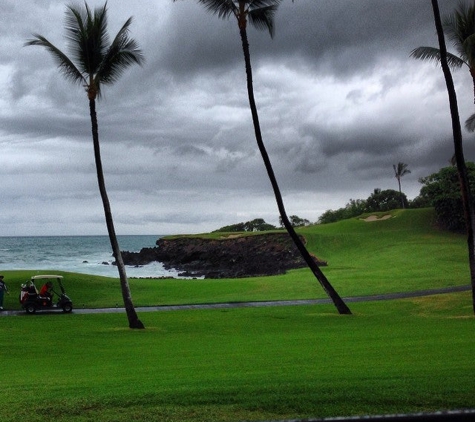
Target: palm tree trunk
(472, 73)
(459, 155)
(134, 321)
(400, 191)
(331, 292)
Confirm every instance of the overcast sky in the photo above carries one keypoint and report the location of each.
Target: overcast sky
(340, 101)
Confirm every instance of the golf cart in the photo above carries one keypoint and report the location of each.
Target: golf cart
(31, 300)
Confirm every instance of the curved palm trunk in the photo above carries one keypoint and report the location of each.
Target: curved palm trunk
(337, 300)
(134, 321)
(472, 73)
(457, 133)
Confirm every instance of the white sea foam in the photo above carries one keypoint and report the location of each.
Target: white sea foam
(81, 254)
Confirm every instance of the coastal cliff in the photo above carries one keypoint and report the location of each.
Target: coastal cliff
(228, 257)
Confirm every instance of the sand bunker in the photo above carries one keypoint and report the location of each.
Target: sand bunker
(376, 218)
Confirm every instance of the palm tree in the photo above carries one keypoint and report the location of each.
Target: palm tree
(260, 13)
(459, 156)
(460, 29)
(400, 170)
(98, 62)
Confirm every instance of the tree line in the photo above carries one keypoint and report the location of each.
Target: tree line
(259, 225)
(440, 190)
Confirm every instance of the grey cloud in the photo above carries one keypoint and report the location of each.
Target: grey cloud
(339, 100)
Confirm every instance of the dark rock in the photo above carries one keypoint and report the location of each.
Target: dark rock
(231, 257)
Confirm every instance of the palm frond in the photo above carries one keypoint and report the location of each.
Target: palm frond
(122, 53)
(400, 170)
(257, 4)
(469, 49)
(459, 26)
(433, 54)
(87, 36)
(260, 12)
(222, 8)
(262, 17)
(470, 123)
(66, 66)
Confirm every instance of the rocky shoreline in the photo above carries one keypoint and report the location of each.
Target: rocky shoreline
(233, 256)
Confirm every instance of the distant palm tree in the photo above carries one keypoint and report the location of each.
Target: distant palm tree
(459, 155)
(400, 170)
(460, 29)
(260, 13)
(98, 62)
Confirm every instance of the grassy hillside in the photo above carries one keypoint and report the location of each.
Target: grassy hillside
(403, 253)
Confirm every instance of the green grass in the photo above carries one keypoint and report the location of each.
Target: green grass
(240, 364)
(257, 363)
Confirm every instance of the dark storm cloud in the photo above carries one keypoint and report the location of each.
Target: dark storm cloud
(339, 100)
(337, 37)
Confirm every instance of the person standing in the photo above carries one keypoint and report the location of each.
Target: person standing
(3, 289)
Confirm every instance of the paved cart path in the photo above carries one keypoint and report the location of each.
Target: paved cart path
(227, 305)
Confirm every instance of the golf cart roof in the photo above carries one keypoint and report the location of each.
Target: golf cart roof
(43, 276)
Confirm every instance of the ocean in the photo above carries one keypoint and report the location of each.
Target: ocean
(80, 254)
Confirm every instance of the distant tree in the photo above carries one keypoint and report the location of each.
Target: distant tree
(460, 29)
(441, 190)
(419, 202)
(256, 225)
(238, 227)
(385, 200)
(354, 208)
(98, 62)
(296, 221)
(332, 216)
(260, 14)
(400, 170)
(465, 190)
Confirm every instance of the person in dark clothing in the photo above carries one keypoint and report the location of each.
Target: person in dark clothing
(3, 289)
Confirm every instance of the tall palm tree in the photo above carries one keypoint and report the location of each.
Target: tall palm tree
(98, 62)
(460, 29)
(400, 170)
(459, 155)
(260, 13)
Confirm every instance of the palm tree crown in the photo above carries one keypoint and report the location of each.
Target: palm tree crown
(400, 170)
(96, 60)
(460, 29)
(260, 13)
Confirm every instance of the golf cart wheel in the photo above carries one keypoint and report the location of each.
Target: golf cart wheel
(30, 308)
(67, 308)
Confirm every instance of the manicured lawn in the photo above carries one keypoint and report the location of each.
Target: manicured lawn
(240, 364)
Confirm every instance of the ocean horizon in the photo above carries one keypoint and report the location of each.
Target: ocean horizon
(86, 254)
